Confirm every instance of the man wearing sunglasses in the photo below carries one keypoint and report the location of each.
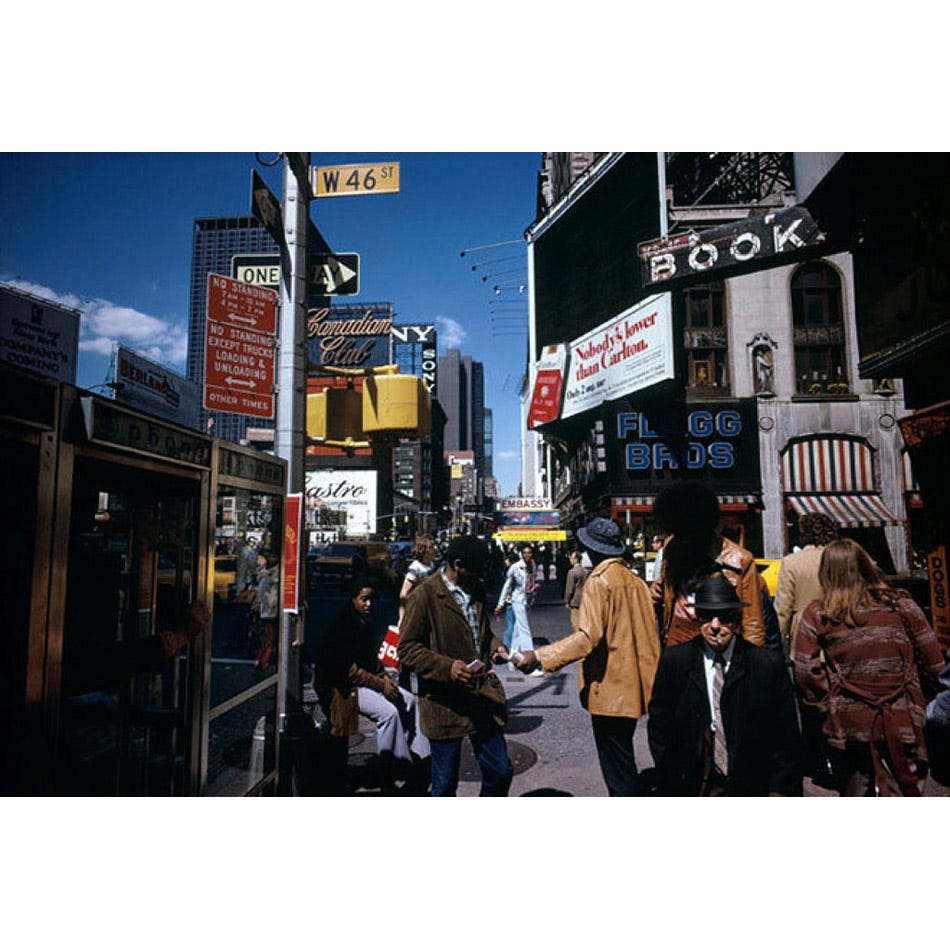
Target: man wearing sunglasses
(722, 716)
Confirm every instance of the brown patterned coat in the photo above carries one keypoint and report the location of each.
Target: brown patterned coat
(867, 680)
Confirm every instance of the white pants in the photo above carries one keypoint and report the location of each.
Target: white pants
(397, 726)
(521, 637)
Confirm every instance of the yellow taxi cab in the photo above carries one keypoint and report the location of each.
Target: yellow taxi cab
(768, 571)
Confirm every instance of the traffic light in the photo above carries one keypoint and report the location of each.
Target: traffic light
(396, 405)
(335, 415)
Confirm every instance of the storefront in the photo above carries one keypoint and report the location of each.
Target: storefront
(835, 475)
(114, 518)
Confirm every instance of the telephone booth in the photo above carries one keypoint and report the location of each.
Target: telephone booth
(113, 519)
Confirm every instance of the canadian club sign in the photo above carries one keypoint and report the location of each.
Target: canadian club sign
(764, 239)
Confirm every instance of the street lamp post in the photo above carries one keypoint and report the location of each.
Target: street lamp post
(289, 431)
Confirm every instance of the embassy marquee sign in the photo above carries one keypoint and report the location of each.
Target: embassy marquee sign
(764, 239)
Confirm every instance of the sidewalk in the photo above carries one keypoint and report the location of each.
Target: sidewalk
(548, 732)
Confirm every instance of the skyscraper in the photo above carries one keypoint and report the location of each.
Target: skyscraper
(462, 394)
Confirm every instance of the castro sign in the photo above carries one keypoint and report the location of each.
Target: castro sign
(764, 240)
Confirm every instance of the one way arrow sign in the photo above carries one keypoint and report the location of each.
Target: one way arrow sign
(333, 274)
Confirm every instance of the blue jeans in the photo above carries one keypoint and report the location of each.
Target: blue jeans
(509, 625)
(491, 751)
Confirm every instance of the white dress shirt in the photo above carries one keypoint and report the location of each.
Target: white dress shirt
(709, 664)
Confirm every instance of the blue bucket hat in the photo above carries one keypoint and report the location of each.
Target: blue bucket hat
(603, 536)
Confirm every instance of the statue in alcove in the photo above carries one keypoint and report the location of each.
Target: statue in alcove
(763, 370)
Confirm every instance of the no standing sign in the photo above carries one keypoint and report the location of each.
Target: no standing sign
(240, 332)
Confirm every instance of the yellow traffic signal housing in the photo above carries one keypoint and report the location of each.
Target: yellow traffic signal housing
(335, 415)
(396, 405)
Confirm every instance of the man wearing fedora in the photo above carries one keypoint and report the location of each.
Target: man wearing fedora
(722, 716)
(616, 641)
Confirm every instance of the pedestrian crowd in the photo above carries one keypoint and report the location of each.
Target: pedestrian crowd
(743, 696)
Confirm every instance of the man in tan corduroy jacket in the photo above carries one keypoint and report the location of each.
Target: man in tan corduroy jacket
(617, 642)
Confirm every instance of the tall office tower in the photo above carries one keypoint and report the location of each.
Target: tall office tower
(462, 394)
(489, 444)
(453, 395)
(477, 425)
(215, 241)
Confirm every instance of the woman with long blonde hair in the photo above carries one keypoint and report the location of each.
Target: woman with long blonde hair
(865, 656)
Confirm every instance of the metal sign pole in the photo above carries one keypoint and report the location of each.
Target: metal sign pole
(289, 426)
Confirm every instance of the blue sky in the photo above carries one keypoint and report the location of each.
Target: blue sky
(110, 234)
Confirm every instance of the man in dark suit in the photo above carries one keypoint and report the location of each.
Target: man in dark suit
(722, 715)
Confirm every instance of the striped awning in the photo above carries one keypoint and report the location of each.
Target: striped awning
(644, 503)
(828, 464)
(850, 511)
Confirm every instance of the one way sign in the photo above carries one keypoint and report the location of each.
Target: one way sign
(333, 274)
(327, 274)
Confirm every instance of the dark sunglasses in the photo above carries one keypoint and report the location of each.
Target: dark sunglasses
(728, 617)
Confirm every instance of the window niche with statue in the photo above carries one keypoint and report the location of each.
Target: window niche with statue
(762, 362)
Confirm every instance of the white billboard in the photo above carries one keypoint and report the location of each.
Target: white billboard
(352, 490)
(38, 335)
(631, 352)
(146, 386)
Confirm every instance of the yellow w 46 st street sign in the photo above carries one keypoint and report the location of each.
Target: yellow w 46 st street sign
(331, 181)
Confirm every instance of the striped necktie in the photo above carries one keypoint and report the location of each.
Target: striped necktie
(530, 584)
(720, 756)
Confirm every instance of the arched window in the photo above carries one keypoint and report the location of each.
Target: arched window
(702, 314)
(818, 331)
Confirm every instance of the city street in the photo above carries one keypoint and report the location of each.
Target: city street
(548, 732)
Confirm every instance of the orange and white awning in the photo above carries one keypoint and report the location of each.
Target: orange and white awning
(643, 504)
(864, 510)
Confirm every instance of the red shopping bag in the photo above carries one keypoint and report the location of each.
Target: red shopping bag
(387, 649)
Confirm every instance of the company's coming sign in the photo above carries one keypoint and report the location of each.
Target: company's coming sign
(621, 357)
(38, 335)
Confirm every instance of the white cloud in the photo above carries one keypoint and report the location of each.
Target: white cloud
(451, 332)
(508, 455)
(105, 323)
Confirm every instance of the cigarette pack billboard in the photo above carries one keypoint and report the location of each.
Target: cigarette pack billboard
(548, 385)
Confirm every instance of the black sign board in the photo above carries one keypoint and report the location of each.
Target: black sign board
(720, 444)
(750, 244)
(266, 208)
(107, 424)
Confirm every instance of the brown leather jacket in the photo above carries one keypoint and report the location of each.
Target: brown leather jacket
(740, 569)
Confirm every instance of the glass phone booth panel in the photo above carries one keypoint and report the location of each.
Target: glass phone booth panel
(248, 511)
(131, 575)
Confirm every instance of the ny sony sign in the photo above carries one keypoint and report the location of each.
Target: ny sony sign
(766, 240)
(424, 363)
